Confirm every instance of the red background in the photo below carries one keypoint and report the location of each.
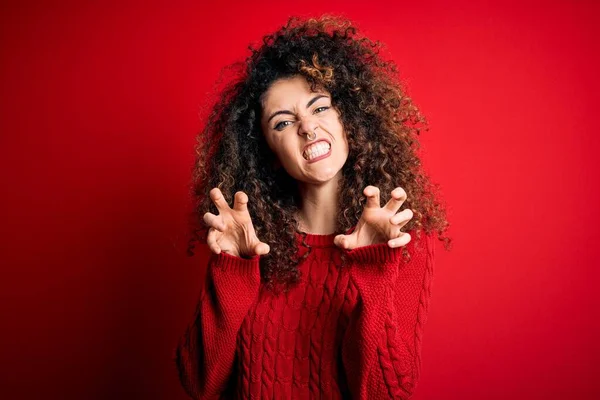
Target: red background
(98, 112)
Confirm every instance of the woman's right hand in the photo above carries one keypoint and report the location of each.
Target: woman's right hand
(232, 231)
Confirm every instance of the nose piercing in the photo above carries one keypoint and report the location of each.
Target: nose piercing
(312, 135)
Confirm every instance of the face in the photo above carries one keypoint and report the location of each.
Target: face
(304, 131)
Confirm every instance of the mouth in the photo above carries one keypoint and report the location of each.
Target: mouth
(317, 151)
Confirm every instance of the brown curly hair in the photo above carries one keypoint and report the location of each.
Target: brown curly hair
(381, 123)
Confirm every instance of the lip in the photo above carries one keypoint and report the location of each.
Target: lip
(314, 160)
(322, 156)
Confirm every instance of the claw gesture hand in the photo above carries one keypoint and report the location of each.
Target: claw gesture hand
(379, 224)
(232, 231)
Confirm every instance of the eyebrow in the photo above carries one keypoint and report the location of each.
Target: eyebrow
(310, 103)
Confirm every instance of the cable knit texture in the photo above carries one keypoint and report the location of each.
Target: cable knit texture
(344, 331)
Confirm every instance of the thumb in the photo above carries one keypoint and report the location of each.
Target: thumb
(342, 241)
(261, 249)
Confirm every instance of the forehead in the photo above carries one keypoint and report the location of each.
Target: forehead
(286, 92)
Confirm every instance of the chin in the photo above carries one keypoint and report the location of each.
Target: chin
(318, 174)
(321, 178)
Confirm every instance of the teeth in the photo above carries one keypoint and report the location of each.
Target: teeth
(316, 150)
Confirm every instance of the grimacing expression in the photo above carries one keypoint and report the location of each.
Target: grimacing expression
(290, 113)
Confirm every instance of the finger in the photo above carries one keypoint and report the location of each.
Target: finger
(214, 221)
(340, 241)
(400, 241)
(397, 199)
(343, 241)
(394, 232)
(240, 201)
(211, 241)
(372, 194)
(261, 249)
(217, 198)
(402, 217)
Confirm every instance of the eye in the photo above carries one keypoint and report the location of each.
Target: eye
(321, 108)
(281, 125)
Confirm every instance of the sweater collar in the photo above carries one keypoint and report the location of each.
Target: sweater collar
(313, 239)
(317, 240)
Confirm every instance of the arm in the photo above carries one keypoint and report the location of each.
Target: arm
(205, 355)
(381, 350)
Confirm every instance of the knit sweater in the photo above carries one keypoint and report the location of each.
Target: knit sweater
(343, 331)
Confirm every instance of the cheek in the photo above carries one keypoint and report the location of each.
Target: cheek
(272, 142)
(344, 141)
(283, 149)
(333, 123)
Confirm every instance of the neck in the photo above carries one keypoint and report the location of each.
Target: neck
(318, 212)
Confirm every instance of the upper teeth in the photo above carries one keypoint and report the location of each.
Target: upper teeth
(316, 150)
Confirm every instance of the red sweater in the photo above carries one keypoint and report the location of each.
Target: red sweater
(343, 331)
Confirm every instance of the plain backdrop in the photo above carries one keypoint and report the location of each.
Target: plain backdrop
(99, 106)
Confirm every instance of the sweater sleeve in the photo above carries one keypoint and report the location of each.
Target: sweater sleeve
(381, 349)
(205, 354)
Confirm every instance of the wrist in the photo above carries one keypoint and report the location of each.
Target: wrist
(374, 253)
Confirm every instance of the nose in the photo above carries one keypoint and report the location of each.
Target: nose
(308, 126)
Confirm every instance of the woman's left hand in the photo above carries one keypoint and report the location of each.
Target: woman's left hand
(379, 224)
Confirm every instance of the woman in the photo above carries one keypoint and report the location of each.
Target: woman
(313, 290)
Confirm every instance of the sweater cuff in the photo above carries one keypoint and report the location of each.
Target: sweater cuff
(375, 254)
(243, 266)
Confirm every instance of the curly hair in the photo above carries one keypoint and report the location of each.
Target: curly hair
(381, 123)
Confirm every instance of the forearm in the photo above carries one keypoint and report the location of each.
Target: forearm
(206, 353)
(383, 343)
